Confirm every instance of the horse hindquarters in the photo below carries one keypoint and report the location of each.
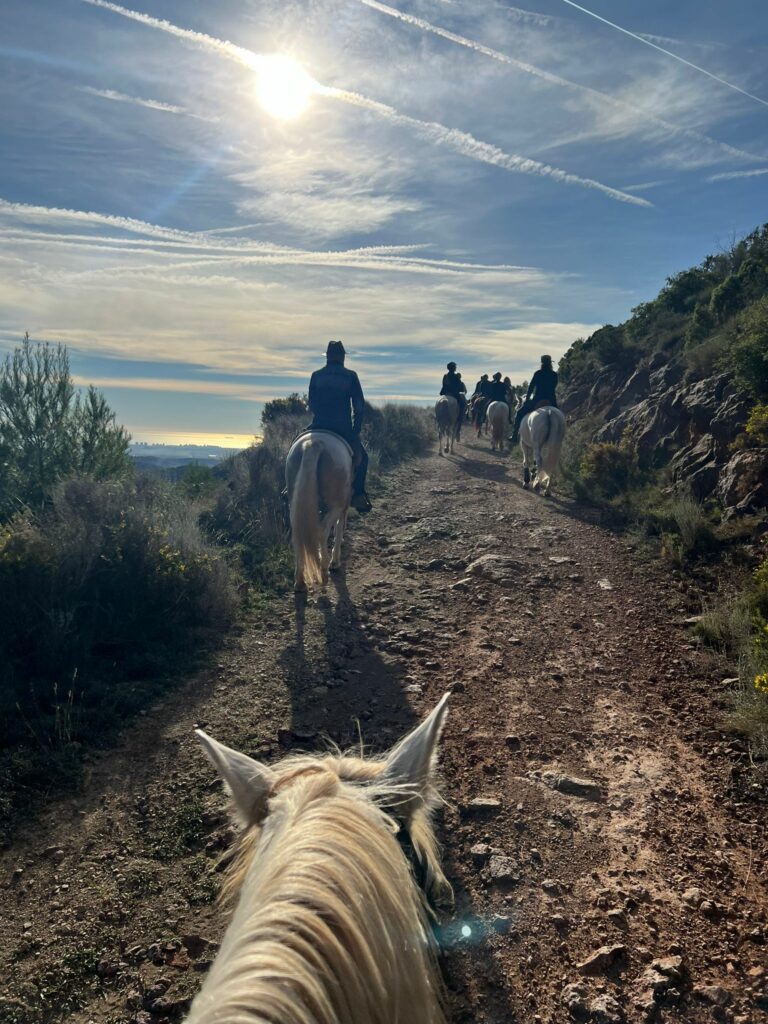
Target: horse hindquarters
(306, 529)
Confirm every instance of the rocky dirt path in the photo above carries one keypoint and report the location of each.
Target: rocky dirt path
(607, 841)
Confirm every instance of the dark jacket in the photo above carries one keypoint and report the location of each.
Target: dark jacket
(543, 386)
(453, 385)
(497, 391)
(334, 396)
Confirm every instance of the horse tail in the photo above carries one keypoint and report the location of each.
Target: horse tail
(306, 533)
(554, 439)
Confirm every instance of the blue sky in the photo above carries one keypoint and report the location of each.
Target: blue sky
(468, 180)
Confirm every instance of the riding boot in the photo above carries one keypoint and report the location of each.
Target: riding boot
(360, 501)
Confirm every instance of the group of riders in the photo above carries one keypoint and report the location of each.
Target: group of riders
(542, 390)
(337, 404)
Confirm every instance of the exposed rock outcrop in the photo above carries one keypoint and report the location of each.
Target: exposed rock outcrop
(687, 425)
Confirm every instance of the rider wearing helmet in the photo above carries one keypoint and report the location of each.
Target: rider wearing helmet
(541, 391)
(454, 387)
(337, 404)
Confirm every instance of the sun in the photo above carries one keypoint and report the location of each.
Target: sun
(283, 87)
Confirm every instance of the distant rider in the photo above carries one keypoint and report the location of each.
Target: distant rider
(496, 392)
(454, 387)
(510, 396)
(541, 391)
(335, 397)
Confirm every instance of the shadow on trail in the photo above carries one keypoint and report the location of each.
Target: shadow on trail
(340, 686)
(496, 472)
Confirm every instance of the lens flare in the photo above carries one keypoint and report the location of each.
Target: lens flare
(283, 87)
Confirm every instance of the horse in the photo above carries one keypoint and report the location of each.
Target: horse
(479, 413)
(541, 438)
(330, 924)
(318, 472)
(498, 418)
(447, 416)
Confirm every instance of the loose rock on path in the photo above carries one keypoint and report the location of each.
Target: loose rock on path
(605, 838)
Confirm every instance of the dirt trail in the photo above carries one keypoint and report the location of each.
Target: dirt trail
(606, 840)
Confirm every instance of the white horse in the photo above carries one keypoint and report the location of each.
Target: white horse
(330, 925)
(318, 472)
(447, 416)
(541, 438)
(498, 418)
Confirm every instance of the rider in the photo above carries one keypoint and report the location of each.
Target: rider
(541, 391)
(455, 387)
(496, 391)
(335, 396)
(509, 396)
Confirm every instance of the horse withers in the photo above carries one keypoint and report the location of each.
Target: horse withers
(447, 416)
(318, 472)
(331, 926)
(541, 438)
(498, 418)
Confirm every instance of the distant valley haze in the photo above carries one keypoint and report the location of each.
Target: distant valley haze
(196, 197)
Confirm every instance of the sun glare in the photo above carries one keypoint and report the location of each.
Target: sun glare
(283, 87)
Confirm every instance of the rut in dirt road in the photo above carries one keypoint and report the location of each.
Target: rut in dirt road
(606, 840)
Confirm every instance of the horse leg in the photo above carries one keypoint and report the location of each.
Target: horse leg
(338, 537)
(526, 466)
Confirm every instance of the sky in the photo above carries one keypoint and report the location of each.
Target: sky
(196, 197)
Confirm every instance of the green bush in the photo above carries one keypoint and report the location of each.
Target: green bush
(750, 354)
(609, 470)
(49, 431)
(103, 592)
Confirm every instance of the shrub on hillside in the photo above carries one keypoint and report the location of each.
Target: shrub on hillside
(111, 582)
(750, 354)
(49, 431)
(608, 469)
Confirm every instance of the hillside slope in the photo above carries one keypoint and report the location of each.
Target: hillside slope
(677, 382)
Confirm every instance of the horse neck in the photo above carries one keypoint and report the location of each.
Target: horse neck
(329, 926)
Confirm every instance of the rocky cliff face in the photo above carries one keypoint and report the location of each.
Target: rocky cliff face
(688, 425)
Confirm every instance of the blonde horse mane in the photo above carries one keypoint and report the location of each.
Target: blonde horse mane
(330, 926)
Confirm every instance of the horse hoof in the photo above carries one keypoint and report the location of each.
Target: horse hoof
(526, 485)
(300, 588)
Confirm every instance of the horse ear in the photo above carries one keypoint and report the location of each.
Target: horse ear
(411, 761)
(248, 781)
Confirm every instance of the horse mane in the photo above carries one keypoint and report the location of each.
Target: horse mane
(329, 927)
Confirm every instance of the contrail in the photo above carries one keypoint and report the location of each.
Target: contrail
(669, 53)
(206, 42)
(730, 175)
(467, 145)
(150, 104)
(553, 79)
(121, 97)
(452, 138)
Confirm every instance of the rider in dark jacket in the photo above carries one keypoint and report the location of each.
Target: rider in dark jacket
(337, 404)
(496, 392)
(541, 391)
(455, 387)
(481, 388)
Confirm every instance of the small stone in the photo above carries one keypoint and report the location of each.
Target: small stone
(502, 869)
(483, 805)
(693, 897)
(715, 995)
(512, 742)
(570, 784)
(480, 852)
(602, 959)
(560, 921)
(605, 1010)
(458, 687)
(574, 996)
(514, 641)
(669, 966)
(550, 886)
